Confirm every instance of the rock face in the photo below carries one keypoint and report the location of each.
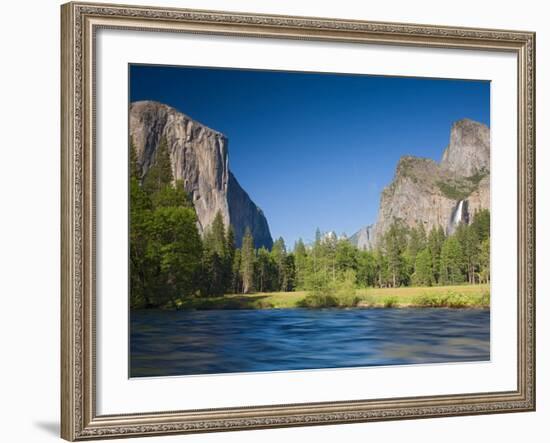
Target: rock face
(364, 238)
(243, 212)
(199, 158)
(433, 194)
(469, 149)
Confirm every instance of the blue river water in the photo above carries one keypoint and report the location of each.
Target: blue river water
(164, 343)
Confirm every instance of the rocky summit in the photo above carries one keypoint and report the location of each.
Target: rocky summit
(431, 193)
(468, 152)
(199, 158)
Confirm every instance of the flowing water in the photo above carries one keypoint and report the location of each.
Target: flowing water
(166, 343)
(459, 215)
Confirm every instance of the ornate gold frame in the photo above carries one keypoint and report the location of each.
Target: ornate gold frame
(79, 22)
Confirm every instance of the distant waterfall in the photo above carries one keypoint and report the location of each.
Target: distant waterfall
(459, 215)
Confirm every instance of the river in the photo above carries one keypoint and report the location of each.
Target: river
(165, 343)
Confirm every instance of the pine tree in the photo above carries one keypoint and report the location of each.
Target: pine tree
(140, 215)
(345, 257)
(175, 246)
(451, 262)
(328, 254)
(160, 173)
(317, 236)
(230, 242)
(215, 257)
(395, 241)
(141, 266)
(415, 242)
(381, 268)
(278, 253)
(229, 258)
(435, 243)
(423, 275)
(481, 224)
(469, 244)
(218, 239)
(248, 259)
(315, 251)
(236, 276)
(366, 268)
(266, 271)
(484, 261)
(290, 265)
(422, 236)
(301, 263)
(172, 196)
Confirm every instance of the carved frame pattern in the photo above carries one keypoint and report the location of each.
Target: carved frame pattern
(79, 24)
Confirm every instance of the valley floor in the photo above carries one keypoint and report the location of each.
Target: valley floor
(458, 296)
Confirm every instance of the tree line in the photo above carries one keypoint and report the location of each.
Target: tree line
(169, 260)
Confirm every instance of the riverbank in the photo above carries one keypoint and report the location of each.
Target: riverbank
(458, 296)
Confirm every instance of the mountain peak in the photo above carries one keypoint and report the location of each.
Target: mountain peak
(427, 192)
(152, 107)
(199, 158)
(468, 150)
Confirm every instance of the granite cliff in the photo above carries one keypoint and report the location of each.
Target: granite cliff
(445, 193)
(199, 158)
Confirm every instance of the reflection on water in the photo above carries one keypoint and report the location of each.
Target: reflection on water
(166, 343)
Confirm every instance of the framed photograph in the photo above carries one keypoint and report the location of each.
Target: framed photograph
(277, 221)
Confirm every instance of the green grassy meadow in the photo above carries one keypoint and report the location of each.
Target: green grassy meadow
(457, 296)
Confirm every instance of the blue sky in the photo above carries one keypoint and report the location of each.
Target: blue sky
(316, 149)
